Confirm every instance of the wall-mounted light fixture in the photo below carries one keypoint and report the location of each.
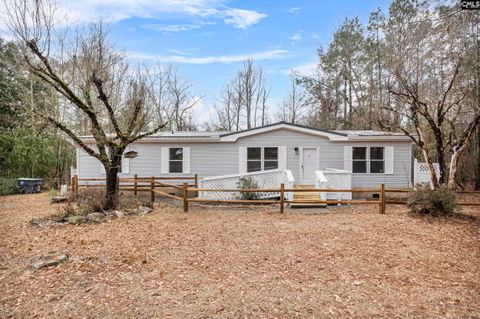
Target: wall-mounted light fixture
(296, 151)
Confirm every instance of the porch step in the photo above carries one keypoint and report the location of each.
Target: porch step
(306, 196)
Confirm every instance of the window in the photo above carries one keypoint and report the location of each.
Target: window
(377, 160)
(254, 159)
(259, 158)
(359, 160)
(368, 160)
(270, 158)
(175, 160)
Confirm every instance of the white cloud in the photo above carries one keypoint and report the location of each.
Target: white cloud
(307, 69)
(297, 36)
(87, 11)
(292, 9)
(241, 19)
(171, 28)
(262, 55)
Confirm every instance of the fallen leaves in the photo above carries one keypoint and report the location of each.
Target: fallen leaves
(230, 263)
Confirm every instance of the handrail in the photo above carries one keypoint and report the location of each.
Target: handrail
(336, 170)
(289, 176)
(212, 178)
(321, 177)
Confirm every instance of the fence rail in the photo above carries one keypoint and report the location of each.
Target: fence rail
(155, 186)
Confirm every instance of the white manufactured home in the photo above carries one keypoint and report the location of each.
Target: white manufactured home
(275, 153)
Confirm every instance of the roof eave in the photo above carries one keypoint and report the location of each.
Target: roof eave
(380, 138)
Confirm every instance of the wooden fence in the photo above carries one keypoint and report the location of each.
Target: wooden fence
(157, 185)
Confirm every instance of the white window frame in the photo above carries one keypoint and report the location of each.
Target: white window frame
(262, 158)
(368, 159)
(361, 160)
(181, 161)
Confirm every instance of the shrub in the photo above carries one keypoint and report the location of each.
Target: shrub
(440, 201)
(91, 199)
(9, 186)
(248, 183)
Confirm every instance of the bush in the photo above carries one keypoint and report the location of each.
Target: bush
(91, 200)
(9, 186)
(248, 183)
(440, 201)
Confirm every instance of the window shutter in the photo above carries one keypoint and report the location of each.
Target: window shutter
(347, 158)
(388, 159)
(282, 157)
(125, 163)
(186, 160)
(242, 159)
(164, 160)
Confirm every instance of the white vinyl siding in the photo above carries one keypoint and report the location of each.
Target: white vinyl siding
(215, 159)
(125, 165)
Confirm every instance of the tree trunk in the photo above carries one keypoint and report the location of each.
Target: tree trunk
(111, 196)
(477, 180)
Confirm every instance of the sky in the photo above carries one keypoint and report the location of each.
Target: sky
(208, 39)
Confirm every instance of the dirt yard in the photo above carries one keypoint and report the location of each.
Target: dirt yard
(345, 263)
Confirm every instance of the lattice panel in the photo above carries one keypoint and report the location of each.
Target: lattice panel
(264, 180)
(423, 168)
(338, 180)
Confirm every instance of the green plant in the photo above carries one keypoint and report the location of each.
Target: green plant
(9, 186)
(248, 183)
(440, 201)
(53, 192)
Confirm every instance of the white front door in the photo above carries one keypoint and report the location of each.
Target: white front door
(309, 165)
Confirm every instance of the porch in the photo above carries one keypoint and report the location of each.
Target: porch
(272, 179)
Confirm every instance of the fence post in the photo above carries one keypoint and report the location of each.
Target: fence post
(185, 197)
(196, 185)
(382, 199)
(152, 192)
(75, 183)
(282, 197)
(135, 184)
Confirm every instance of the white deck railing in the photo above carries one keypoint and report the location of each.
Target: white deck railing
(338, 179)
(270, 179)
(321, 182)
(289, 184)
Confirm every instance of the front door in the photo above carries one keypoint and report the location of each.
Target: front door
(309, 165)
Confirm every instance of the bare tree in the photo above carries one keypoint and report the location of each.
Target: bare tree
(244, 98)
(92, 78)
(428, 65)
(294, 104)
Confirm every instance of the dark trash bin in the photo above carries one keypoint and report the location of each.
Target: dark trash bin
(30, 185)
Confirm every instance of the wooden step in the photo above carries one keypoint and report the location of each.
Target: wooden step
(307, 205)
(306, 196)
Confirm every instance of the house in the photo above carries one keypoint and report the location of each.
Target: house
(369, 158)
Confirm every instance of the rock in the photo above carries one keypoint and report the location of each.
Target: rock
(43, 222)
(76, 220)
(95, 217)
(118, 214)
(59, 199)
(142, 210)
(49, 259)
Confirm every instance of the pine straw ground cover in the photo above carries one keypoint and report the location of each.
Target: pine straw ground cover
(347, 263)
